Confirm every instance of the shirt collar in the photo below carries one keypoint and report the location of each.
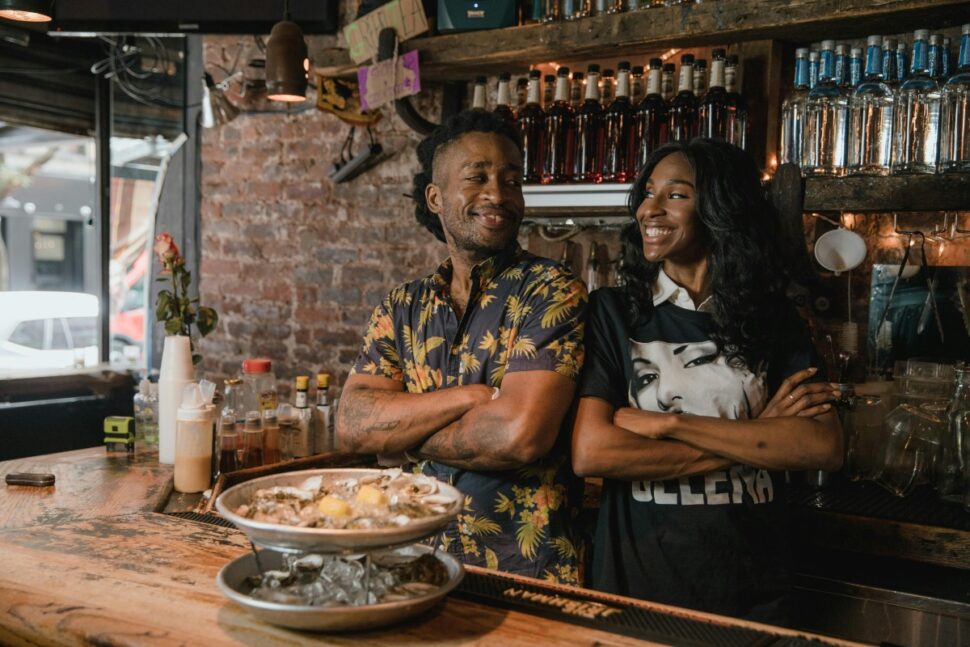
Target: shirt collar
(664, 289)
(484, 272)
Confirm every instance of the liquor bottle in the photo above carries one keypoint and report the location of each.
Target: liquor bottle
(569, 10)
(548, 90)
(793, 112)
(521, 93)
(889, 75)
(713, 108)
(323, 437)
(667, 82)
(936, 58)
(901, 62)
(651, 116)
(551, 10)
(503, 101)
(841, 64)
(855, 69)
(636, 84)
(813, 68)
(736, 115)
(531, 12)
(560, 131)
(599, 7)
(700, 77)
(531, 118)
(607, 88)
(955, 113)
(826, 121)
(577, 90)
(871, 117)
(146, 416)
(947, 62)
(592, 268)
(302, 440)
(683, 109)
(618, 139)
(619, 6)
(478, 94)
(917, 115)
(588, 155)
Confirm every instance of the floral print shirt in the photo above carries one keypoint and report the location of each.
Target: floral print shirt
(524, 313)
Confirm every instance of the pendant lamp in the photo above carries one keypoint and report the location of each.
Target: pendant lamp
(27, 10)
(286, 61)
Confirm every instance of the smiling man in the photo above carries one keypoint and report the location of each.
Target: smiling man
(471, 370)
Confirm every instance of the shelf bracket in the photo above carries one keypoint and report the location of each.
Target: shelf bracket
(451, 102)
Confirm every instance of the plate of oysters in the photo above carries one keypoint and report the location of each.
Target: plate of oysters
(339, 547)
(339, 510)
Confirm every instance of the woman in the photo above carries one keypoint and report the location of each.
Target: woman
(674, 409)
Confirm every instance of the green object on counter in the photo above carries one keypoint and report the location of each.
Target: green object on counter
(119, 434)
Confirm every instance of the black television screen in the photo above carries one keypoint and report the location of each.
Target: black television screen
(191, 16)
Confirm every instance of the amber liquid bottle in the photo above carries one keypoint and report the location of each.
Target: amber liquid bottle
(560, 132)
(588, 155)
(651, 116)
(736, 116)
(531, 125)
(503, 102)
(618, 140)
(683, 109)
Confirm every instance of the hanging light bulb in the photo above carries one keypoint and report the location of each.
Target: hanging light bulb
(286, 61)
(27, 10)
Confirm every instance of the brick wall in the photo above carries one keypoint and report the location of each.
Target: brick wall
(292, 262)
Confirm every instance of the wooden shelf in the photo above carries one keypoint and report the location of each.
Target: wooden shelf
(947, 192)
(460, 56)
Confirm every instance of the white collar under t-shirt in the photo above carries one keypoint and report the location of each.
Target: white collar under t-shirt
(664, 289)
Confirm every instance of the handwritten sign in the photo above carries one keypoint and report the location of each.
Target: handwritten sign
(405, 16)
(381, 83)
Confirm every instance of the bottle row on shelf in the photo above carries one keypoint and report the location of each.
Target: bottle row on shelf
(884, 118)
(534, 11)
(590, 129)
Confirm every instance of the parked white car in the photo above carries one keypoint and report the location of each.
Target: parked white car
(45, 330)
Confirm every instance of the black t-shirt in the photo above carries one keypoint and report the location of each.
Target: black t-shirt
(717, 541)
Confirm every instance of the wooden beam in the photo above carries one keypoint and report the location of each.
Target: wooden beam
(457, 56)
(948, 192)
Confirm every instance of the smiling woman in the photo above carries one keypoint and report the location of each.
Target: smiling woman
(674, 409)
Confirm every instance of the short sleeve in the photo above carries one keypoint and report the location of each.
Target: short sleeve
(605, 374)
(551, 316)
(798, 355)
(378, 353)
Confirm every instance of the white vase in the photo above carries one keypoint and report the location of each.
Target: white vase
(175, 373)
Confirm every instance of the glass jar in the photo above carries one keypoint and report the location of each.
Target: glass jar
(271, 438)
(952, 476)
(912, 444)
(862, 426)
(258, 374)
(252, 441)
(228, 445)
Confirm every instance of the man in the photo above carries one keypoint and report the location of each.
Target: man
(471, 370)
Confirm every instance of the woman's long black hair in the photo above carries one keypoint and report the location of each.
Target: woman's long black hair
(751, 316)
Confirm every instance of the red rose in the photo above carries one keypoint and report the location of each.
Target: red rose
(166, 249)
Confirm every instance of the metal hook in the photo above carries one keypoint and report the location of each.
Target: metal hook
(904, 232)
(956, 226)
(940, 235)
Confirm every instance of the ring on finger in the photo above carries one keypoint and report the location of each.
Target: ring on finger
(791, 396)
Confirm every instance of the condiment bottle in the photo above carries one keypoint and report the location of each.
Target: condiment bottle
(252, 455)
(323, 440)
(193, 442)
(284, 417)
(258, 374)
(271, 438)
(302, 439)
(228, 441)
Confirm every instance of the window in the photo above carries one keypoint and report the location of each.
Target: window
(29, 334)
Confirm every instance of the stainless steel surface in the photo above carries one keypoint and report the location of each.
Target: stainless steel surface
(231, 581)
(327, 540)
(878, 615)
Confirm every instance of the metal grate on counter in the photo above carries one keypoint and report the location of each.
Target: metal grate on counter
(212, 519)
(867, 499)
(494, 589)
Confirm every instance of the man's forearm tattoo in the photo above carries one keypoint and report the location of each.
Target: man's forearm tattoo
(360, 413)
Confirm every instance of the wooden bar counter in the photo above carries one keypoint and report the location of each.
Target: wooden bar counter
(93, 560)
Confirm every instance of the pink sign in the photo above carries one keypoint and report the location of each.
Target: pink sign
(383, 82)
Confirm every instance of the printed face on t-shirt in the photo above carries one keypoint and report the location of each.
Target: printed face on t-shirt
(693, 378)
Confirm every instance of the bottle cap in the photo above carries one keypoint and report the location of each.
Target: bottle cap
(901, 47)
(144, 386)
(936, 39)
(668, 67)
(562, 71)
(549, 78)
(801, 52)
(535, 74)
(192, 405)
(889, 43)
(687, 59)
(965, 30)
(505, 76)
(578, 76)
(700, 63)
(656, 63)
(302, 382)
(323, 380)
(921, 34)
(592, 68)
(840, 49)
(480, 80)
(637, 70)
(720, 52)
(733, 60)
(284, 413)
(813, 55)
(607, 73)
(623, 65)
(232, 381)
(269, 417)
(260, 365)
(856, 52)
(254, 421)
(874, 41)
(827, 45)
(522, 82)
